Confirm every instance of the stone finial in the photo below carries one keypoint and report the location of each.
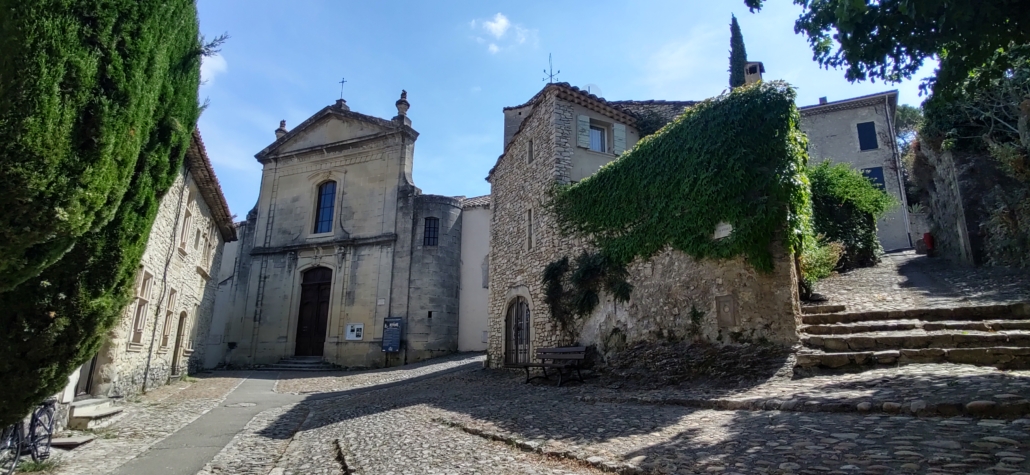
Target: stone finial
(281, 130)
(402, 104)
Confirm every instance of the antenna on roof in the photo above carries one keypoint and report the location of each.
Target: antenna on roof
(550, 72)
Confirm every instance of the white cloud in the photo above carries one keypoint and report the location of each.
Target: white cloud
(211, 66)
(690, 67)
(498, 26)
(500, 34)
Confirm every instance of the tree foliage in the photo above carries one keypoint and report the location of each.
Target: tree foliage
(121, 113)
(738, 158)
(573, 289)
(845, 207)
(890, 39)
(738, 55)
(906, 124)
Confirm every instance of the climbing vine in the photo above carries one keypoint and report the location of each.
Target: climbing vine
(738, 158)
(572, 289)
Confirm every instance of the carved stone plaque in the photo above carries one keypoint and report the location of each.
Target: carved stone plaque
(726, 311)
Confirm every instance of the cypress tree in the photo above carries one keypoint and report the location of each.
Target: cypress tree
(738, 56)
(129, 71)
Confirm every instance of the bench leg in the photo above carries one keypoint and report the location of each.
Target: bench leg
(579, 374)
(527, 375)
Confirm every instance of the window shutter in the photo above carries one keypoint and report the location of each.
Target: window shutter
(867, 136)
(583, 131)
(619, 133)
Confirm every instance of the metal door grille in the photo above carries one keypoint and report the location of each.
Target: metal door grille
(516, 332)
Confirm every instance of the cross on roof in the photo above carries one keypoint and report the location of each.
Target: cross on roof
(342, 82)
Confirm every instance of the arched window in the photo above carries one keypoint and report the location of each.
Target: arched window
(324, 211)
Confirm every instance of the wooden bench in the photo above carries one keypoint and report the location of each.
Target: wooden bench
(567, 358)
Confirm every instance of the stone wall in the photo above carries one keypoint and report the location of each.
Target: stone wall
(756, 306)
(123, 364)
(435, 280)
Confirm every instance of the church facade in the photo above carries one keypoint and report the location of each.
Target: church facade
(340, 243)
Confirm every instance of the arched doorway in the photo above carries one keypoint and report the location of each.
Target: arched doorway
(314, 311)
(177, 349)
(516, 332)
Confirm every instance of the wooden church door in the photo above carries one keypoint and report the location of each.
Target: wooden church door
(314, 311)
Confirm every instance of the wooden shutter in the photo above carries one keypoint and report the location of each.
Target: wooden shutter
(583, 131)
(619, 133)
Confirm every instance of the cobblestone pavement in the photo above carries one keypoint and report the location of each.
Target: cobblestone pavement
(146, 422)
(451, 424)
(907, 280)
(297, 382)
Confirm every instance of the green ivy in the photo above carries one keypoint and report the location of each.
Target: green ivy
(845, 207)
(574, 291)
(738, 158)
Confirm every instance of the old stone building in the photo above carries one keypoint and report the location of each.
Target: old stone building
(860, 132)
(162, 331)
(340, 246)
(563, 135)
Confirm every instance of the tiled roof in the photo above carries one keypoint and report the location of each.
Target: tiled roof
(202, 172)
(852, 103)
(476, 202)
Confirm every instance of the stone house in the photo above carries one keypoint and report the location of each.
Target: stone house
(563, 135)
(860, 132)
(342, 246)
(160, 334)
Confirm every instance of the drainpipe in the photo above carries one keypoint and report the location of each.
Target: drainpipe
(164, 275)
(897, 168)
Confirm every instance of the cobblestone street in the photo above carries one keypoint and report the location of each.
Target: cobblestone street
(450, 416)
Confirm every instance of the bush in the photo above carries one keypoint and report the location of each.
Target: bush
(57, 320)
(819, 259)
(845, 207)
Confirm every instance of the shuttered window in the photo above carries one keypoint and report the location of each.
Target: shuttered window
(867, 136)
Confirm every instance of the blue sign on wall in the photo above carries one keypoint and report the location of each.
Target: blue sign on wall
(875, 175)
(392, 334)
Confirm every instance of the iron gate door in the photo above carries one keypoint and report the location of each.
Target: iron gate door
(516, 332)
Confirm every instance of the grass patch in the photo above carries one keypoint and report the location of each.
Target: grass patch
(32, 466)
(188, 379)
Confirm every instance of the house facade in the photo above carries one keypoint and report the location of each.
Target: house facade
(343, 258)
(161, 333)
(563, 135)
(860, 132)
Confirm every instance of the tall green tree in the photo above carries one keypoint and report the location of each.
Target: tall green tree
(890, 39)
(110, 96)
(738, 55)
(906, 124)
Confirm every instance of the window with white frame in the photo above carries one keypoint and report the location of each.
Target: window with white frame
(187, 223)
(144, 286)
(598, 139)
(207, 245)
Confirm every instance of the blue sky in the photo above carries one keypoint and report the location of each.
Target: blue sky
(463, 61)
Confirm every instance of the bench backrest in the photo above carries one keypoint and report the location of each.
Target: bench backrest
(565, 353)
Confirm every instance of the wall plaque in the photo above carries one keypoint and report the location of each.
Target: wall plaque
(392, 334)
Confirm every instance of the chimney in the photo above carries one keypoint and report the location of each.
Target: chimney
(281, 130)
(753, 72)
(402, 109)
(822, 100)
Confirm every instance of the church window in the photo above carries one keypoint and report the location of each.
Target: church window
(867, 136)
(139, 319)
(529, 152)
(529, 229)
(597, 139)
(324, 214)
(431, 236)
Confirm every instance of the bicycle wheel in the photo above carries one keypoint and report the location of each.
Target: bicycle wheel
(41, 432)
(10, 448)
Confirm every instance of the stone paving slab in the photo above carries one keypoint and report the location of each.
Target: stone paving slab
(256, 449)
(154, 417)
(306, 383)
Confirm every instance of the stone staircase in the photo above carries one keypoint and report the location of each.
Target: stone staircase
(990, 335)
(300, 363)
(93, 413)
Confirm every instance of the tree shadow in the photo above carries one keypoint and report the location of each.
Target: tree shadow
(940, 278)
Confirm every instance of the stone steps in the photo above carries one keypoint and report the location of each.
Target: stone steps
(988, 335)
(300, 363)
(93, 413)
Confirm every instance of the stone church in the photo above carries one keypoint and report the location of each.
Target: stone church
(342, 245)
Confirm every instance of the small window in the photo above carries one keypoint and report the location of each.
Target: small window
(196, 240)
(169, 313)
(430, 314)
(324, 210)
(597, 139)
(139, 319)
(867, 136)
(529, 154)
(529, 229)
(187, 223)
(431, 236)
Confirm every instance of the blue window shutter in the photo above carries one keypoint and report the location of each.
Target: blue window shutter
(875, 176)
(867, 136)
(619, 136)
(583, 131)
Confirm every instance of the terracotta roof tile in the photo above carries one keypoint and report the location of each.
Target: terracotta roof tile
(204, 175)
